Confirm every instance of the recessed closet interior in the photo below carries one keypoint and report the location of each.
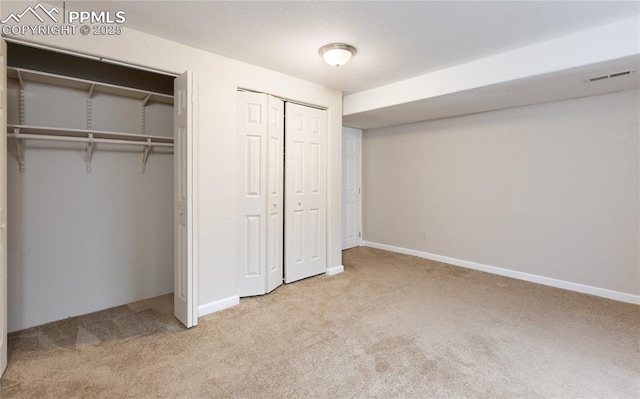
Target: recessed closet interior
(90, 206)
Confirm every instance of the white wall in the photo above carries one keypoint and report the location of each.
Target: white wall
(81, 242)
(549, 189)
(217, 79)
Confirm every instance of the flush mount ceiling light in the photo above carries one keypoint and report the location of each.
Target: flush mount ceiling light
(337, 54)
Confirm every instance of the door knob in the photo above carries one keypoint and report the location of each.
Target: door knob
(181, 212)
(299, 203)
(275, 204)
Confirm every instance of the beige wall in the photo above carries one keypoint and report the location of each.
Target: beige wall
(217, 79)
(549, 189)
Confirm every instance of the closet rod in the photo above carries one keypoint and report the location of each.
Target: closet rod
(85, 140)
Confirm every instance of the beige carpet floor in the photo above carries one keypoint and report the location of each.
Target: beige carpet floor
(390, 326)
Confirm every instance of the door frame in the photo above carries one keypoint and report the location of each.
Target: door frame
(192, 160)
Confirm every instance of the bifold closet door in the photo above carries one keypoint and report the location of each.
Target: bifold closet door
(275, 193)
(260, 193)
(305, 192)
(184, 295)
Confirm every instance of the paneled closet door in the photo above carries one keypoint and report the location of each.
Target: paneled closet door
(184, 296)
(252, 192)
(306, 194)
(275, 189)
(351, 187)
(260, 196)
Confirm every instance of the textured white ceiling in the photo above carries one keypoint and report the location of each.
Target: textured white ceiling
(395, 40)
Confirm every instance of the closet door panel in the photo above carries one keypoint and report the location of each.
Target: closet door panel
(184, 296)
(297, 160)
(254, 237)
(305, 185)
(252, 193)
(316, 195)
(253, 171)
(314, 234)
(296, 242)
(351, 196)
(275, 204)
(295, 201)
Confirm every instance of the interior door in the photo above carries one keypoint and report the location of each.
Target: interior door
(184, 296)
(3, 210)
(252, 192)
(275, 187)
(305, 188)
(351, 187)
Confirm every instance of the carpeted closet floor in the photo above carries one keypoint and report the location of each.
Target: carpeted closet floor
(390, 326)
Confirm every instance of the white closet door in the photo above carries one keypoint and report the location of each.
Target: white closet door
(260, 196)
(306, 196)
(3, 210)
(252, 195)
(351, 187)
(184, 296)
(275, 187)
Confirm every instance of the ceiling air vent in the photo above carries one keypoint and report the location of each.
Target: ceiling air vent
(609, 76)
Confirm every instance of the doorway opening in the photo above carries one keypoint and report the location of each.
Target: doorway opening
(99, 173)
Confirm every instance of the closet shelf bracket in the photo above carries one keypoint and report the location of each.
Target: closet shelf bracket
(19, 148)
(146, 100)
(21, 80)
(89, 153)
(145, 154)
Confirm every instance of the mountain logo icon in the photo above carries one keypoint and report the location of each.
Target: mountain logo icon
(35, 11)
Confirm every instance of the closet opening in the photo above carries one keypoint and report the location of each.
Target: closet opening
(98, 187)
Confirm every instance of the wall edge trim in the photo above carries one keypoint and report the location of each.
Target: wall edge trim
(332, 271)
(218, 305)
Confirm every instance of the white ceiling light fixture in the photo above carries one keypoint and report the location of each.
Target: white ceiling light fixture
(337, 54)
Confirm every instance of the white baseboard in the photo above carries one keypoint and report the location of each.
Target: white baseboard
(217, 306)
(567, 285)
(334, 270)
